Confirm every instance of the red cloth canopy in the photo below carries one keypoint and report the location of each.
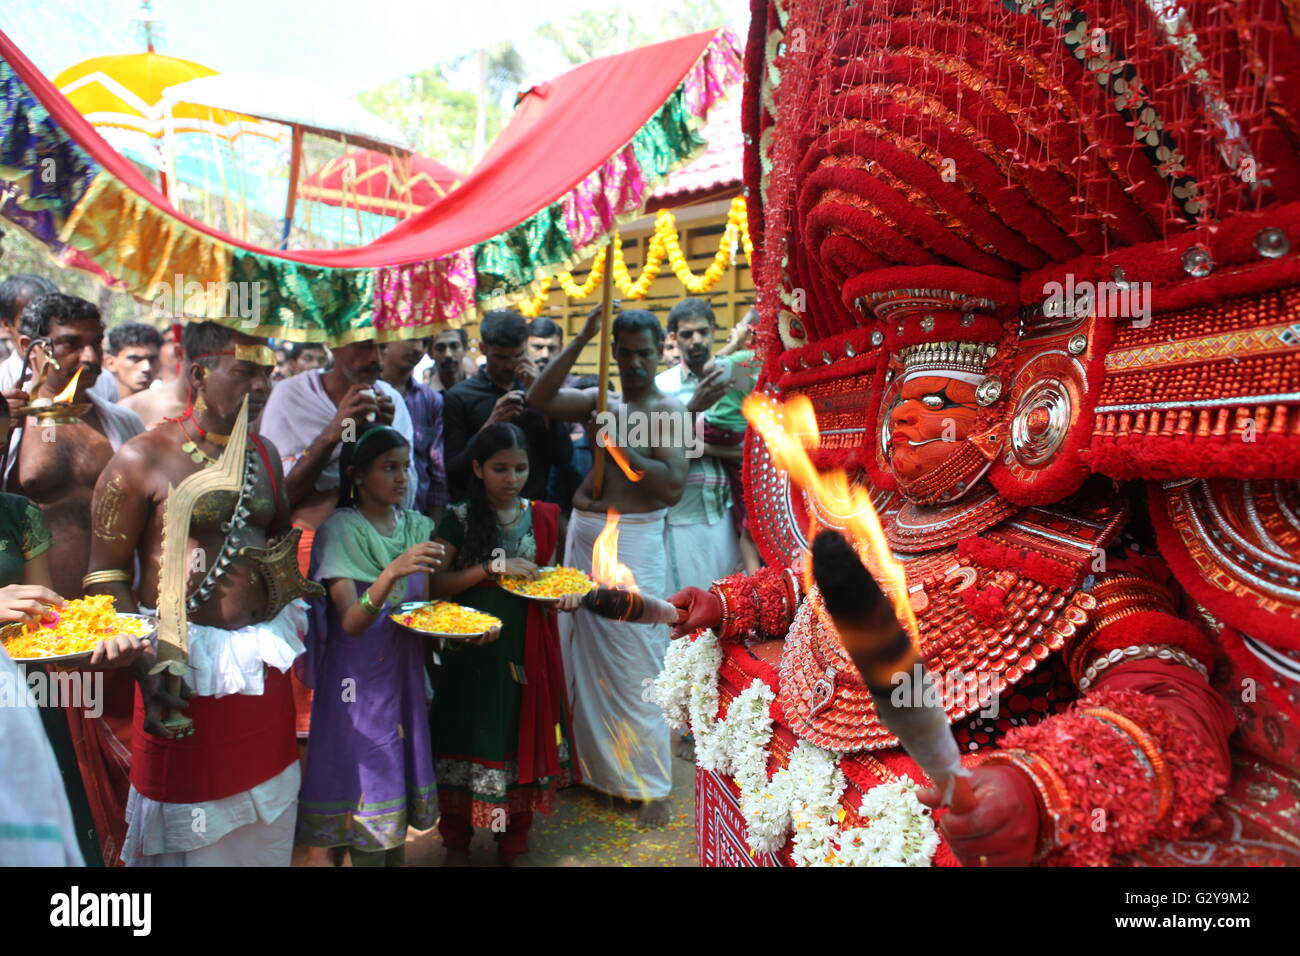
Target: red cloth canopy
(561, 131)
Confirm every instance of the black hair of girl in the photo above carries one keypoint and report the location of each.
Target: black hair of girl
(356, 456)
(482, 534)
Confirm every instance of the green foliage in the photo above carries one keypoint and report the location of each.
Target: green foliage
(438, 119)
(18, 253)
(596, 33)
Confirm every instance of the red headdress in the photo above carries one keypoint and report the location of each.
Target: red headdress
(1104, 194)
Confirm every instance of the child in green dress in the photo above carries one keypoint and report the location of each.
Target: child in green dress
(501, 737)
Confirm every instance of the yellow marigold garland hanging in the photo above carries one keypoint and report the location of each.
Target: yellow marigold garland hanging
(594, 278)
(649, 272)
(532, 308)
(737, 230)
(665, 243)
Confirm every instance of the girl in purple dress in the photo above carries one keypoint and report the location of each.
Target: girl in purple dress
(369, 762)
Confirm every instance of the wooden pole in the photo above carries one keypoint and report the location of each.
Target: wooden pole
(602, 393)
(295, 165)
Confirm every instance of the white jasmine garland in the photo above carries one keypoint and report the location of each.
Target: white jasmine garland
(901, 832)
(805, 794)
(817, 783)
(687, 691)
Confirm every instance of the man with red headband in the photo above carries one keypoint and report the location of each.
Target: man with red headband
(226, 794)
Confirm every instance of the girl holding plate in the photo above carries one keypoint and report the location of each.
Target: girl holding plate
(501, 733)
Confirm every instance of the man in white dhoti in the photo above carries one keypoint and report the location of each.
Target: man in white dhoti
(621, 738)
(699, 538)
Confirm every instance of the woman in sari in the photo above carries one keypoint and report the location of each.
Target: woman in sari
(501, 731)
(369, 766)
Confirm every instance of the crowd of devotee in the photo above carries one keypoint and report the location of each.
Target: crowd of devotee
(375, 473)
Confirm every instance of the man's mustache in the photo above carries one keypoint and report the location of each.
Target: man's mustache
(376, 369)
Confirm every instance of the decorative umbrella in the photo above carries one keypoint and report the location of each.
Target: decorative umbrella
(371, 181)
(302, 105)
(125, 91)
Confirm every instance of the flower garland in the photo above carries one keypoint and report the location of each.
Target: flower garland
(805, 794)
(664, 243)
(901, 832)
(654, 259)
(532, 308)
(666, 232)
(687, 690)
(816, 785)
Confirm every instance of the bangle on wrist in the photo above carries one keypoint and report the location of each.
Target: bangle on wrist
(1053, 797)
(368, 605)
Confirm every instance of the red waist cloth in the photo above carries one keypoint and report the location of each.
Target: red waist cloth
(238, 742)
(103, 748)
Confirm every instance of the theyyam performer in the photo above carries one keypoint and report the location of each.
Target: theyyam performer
(1027, 280)
(200, 501)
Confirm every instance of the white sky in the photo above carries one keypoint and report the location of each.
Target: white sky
(348, 45)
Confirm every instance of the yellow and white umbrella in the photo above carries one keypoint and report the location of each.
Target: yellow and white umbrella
(125, 92)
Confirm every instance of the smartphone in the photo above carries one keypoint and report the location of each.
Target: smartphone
(742, 376)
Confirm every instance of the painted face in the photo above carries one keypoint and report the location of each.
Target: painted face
(384, 479)
(504, 475)
(930, 422)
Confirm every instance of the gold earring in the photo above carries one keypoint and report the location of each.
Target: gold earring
(200, 406)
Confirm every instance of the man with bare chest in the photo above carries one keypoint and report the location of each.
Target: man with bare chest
(622, 741)
(56, 466)
(238, 770)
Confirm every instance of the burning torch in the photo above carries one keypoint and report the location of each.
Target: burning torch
(876, 626)
(881, 648)
(616, 595)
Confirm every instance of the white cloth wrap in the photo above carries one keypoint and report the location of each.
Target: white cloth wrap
(621, 737)
(251, 828)
(233, 662)
(699, 554)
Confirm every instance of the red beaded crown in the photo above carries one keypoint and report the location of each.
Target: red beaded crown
(1109, 192)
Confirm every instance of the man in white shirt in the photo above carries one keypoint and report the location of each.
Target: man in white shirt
(699, 537)
(306, 419)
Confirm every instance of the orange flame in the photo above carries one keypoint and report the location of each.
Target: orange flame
(633, 474)
(605, 567)
(68, 395)
(789, 430)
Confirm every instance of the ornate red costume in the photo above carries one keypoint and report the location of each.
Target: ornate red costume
(1035, 265)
